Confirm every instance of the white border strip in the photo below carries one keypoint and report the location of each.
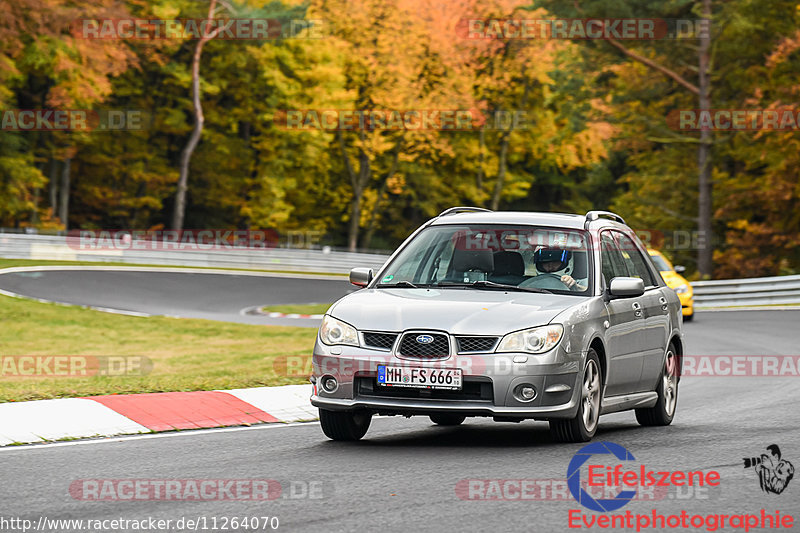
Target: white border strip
(61, 418)
(182, 433)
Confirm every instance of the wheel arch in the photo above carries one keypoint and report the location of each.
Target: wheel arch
(599, 347)
(678, 343)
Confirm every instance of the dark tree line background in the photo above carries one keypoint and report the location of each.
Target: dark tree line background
(596, 135)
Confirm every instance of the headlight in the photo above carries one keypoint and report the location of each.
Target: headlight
(334, 331)
(534, 340)
(681, 289)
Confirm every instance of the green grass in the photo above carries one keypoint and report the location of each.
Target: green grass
(186, 354)
(7, 263)
(303, 309)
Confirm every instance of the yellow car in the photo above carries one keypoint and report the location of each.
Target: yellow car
(674, 280)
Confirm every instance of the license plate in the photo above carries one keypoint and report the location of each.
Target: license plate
(421, 378)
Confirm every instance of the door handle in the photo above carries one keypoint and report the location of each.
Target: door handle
(663, 301)
(637, 308)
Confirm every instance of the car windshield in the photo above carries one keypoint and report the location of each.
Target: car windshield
(661, 265)
(523, 258)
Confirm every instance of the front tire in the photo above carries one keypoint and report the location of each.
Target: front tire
(447, 419)
(344, 425)
(662, 413)
(583, 427)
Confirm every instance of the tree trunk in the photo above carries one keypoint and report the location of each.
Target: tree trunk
(364, 173)
(359, 183)
(355, 217)
(481, 156)
(194, 138)
(63, 205)
(37, 191)
(501, 171)
(371, 225)
(705, 249)
(502, 159)
(54, 185)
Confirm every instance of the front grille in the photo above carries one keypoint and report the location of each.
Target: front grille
(383, 341)
(480, 391)
(439, 347)
(476, 344)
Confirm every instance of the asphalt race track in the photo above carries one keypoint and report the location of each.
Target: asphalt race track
(224, 297)
(403, 475)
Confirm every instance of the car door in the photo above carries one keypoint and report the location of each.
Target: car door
(624, 336)
(655, 309)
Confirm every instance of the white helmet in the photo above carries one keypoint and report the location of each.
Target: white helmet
(549, 255)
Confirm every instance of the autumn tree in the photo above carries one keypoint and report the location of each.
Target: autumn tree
(43, 64)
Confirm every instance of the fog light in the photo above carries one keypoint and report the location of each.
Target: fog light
(329, 384)
(524, 392)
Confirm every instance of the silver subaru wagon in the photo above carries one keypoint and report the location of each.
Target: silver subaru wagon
(507, 315)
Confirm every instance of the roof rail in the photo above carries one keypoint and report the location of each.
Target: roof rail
(594, 215)
(467, 209)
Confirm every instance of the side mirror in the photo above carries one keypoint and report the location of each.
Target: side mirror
(626, 287)
(360, 277)
(680, 269)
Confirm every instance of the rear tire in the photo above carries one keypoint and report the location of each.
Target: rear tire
(662, 413)
(583, 427)
(344, 425)
(447, 419)
(688, 318)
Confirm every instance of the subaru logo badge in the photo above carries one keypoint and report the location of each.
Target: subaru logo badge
(424, 339)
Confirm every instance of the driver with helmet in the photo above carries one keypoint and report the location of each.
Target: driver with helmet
(560, 263)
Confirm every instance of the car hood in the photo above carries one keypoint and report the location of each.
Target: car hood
(673, 279)
(458, 311)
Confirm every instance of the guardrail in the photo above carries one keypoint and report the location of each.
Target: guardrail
(775, 290)
(51, 247)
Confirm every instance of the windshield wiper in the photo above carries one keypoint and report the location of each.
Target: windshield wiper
(399, 284)
(485, 284)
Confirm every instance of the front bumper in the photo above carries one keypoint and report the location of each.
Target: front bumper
(386, 406)
(489, 380)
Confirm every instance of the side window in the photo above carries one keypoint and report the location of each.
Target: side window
(634, 262)
(611, 259)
